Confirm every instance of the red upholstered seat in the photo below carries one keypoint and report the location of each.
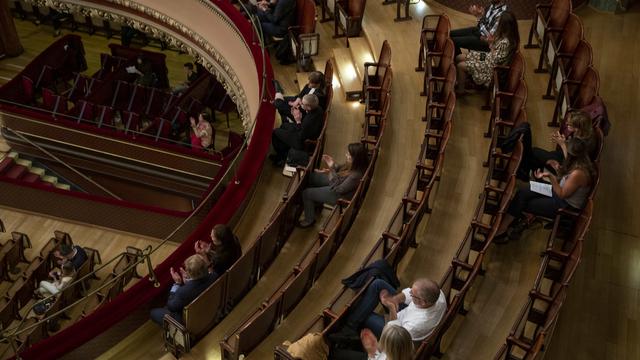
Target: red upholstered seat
(17, 172)
(6, 164)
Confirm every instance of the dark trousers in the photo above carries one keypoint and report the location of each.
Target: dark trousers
(284, 138)
(363, 315)
(528, 201)
(157, 315)
(468, 38)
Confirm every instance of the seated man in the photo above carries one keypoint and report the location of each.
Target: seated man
(418, 309)
(316, 86)
(191, 77)
(275, 20)
(293, 135)
(190, 282)
(477, 37)
(74, 254)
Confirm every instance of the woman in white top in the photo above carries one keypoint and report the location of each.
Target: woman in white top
(61, 278)
(395, 344)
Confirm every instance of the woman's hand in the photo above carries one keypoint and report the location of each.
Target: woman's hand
(555, 165)
(558, 138)
(192, 121)
(369, 342)
(328, 160)
(539, 174)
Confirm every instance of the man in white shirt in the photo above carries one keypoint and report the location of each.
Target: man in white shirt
(418, 309)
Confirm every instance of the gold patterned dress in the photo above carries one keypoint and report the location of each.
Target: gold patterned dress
(480, 63)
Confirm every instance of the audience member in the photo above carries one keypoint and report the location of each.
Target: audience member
(285, 104)
(223, 250)
(74, 254)
(191, 77)
(579, 126)
(337, 181)
(61, 278)
(395, 344)
(306, 126)
(189, 282)
(477, 37)
(576, 178)
(144, 71)
(417, 309)
(276, 19)
(480, 64)
(201, 132)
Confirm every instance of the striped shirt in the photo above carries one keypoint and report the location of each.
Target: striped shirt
(488, 23)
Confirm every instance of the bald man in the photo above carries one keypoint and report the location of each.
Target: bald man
(418, 309)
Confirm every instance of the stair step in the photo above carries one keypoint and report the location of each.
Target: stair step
(50, 179)
(302, 78)
(63, 186)
(14, 155)
(31, 178)
(361, 53)
(6, 164)
(24, 162)
(37, 170)
(16, 172)
(347, 73)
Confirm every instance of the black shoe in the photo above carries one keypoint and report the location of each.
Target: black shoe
(277, 86)
(305, 224)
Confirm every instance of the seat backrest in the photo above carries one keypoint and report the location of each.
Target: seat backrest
(203, 312)
(48, 98)
(580, 61)
(516, 72)
(27, 88)
(328, 76)
(572, 33)
(86, 111)
(518, 101)
(447, 56)
(559, 13)
(589, 87)
(241, 276)
(306, 16)
(356, 7)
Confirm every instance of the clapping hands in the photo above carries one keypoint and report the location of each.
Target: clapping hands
(178, 277)
(476, 10)
(328, 160)
(541, 174)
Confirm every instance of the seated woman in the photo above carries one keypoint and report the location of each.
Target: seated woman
(395, 344)
(223, 250)
(328, 185)
(284, 104)
(201, 132)
(61, 278)
(480, 64)
(579, 126)
(189, 282)
(571, 191)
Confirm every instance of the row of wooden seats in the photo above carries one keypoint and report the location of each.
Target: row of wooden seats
(31, 329)
(566, 55)
(198, 317)
(258, 325)
(401, 231)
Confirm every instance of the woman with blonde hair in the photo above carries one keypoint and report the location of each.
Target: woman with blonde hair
(395, 344)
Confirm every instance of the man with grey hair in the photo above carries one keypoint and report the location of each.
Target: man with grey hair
(306, 126)
(418, 309)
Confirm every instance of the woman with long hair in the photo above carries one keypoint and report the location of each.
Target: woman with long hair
(223, 250)
(570, 189)
(395, 344)
(480, 64)
(335, 182)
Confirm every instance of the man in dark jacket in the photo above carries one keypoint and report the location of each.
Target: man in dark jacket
(190, 282)
(276, 20)
(74, 254)
(293, 135)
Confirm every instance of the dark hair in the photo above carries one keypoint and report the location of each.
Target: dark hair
(205, 116)
(223, 233)
(188, 65)
(577, 158)
(508, 29)
(359, 157)
(317, 77)
(67, 268)
(65, 249)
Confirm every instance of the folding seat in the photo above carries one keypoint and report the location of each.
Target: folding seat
(303, 36)
(439, 90)
(376, 99)
(48, 99)
(105, 116)
(85, 111)
(28, 89)
(576, 92)
(437, 65)
(373, 82)
(433, 37)
(564, 48)
(348, 16)
(506, 109)
(506, 79)
(548, 21)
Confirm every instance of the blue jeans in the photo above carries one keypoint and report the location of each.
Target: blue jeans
(363, 315)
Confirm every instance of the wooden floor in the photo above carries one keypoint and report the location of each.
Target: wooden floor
(600, 317)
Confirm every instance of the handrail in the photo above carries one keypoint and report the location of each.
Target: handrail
(10, 334)
(21, 136)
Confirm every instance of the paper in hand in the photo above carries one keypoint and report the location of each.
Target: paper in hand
(541, 188)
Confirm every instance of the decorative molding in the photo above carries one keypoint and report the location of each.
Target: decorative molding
(193, 44)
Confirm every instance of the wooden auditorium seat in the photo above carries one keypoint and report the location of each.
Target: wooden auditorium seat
(433, 37)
